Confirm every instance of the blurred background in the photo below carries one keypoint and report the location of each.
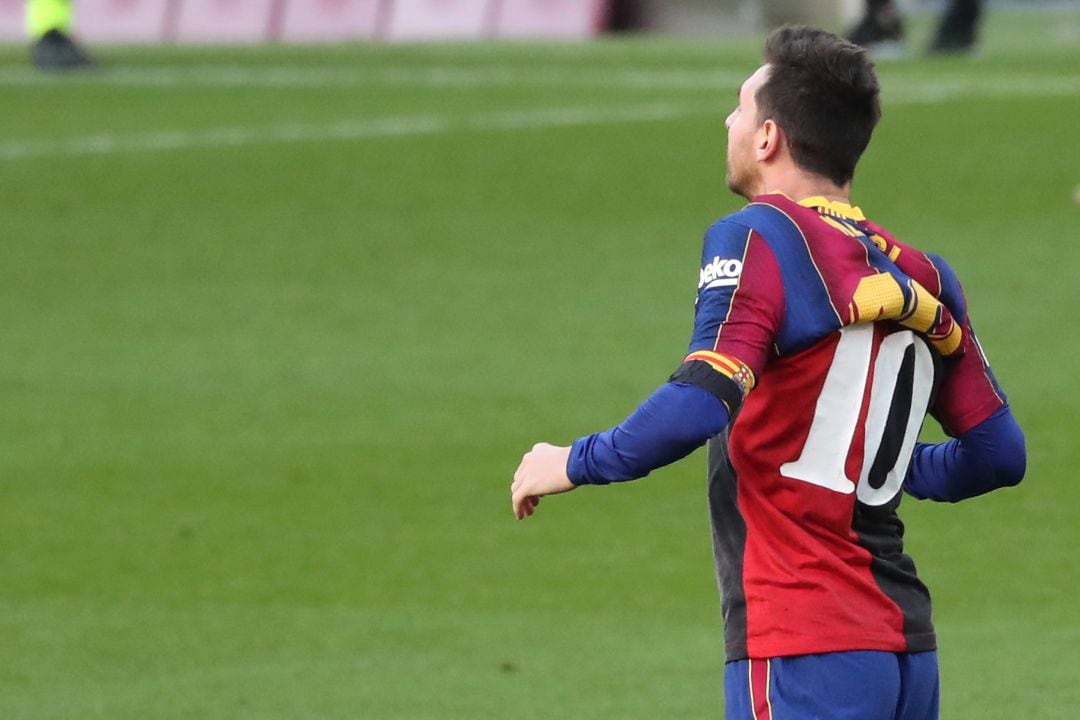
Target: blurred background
(256, 21)
(287, 289)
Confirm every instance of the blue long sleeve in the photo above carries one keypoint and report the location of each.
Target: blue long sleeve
(670, 424)
(991, 455)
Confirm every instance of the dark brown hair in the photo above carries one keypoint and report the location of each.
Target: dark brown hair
(823, 93)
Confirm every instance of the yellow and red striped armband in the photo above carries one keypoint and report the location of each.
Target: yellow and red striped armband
(722, 375)
(726, 365)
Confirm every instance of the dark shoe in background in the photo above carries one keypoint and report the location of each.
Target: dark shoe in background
(952, 43)
(56, 52)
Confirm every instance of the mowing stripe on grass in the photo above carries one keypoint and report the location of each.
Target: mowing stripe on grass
(897, 87)
(235, 76)
(115, 143)
(939, 91)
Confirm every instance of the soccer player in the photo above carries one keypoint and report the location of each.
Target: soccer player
(882, 23)
(820, 343)
(48, 22)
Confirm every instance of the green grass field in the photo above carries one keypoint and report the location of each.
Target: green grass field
(268, 361)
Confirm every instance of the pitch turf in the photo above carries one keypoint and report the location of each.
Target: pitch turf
(267, 363)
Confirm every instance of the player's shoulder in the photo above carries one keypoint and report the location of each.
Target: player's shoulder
(726, 235)
(772, 217)
(951, 293)
(766, 209)
(930, 269)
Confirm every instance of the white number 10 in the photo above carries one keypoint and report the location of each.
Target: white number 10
(824, 455)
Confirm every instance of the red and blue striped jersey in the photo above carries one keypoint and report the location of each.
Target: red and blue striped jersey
(841, 340)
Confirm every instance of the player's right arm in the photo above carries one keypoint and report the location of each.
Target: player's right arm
(738, 313)
(987, 450)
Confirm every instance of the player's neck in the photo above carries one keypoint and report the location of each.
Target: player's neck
(800, 185)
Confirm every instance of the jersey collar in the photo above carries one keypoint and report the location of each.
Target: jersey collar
(833, 207)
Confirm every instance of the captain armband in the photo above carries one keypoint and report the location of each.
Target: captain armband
(723, 376)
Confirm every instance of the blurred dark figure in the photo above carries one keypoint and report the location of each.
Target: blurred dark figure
(883, 24)
(48, 24)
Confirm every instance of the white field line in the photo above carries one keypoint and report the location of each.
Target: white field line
(910, 92)
(988, 87)
(231, 76)
(897, 87)
(112, 144)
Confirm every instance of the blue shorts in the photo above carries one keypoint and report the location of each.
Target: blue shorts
(861, 685)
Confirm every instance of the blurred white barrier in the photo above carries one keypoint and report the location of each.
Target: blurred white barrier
(12, 20)
(330, 20)
(225, 21)
(438, 19)
(549, 18)
(124, 21)
(247, 21)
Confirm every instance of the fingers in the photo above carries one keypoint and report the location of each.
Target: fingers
(519, 474)
(524, 505)
(518, 498)
(540, 472)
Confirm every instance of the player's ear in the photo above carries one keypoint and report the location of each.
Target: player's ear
(768, 141)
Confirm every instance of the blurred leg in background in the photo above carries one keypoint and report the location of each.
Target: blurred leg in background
(48, 22)
(882, 24)
(956, 32)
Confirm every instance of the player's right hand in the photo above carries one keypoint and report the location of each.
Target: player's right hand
(542, 471)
